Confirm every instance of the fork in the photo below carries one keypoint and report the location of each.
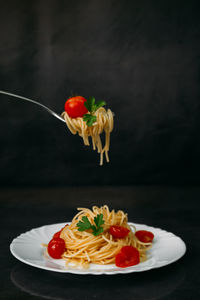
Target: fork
(35, 102)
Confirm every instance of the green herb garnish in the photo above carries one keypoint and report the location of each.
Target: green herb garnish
(89, 119)
(85, 224)
(92, 107)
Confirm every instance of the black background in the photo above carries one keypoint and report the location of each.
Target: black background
(142, 57)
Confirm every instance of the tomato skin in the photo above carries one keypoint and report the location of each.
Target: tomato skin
(120, 260)
(127, 257)
(75, 108)
(57, 234)
(56, 247)
(118, 231)
(144, 236)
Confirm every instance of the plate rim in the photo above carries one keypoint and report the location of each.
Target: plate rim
(93, 272)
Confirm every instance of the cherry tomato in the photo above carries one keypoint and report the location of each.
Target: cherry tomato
(144, 236)
(57, 234)
(56, 247)
(75, 107)
(118, 231)
(128, 256)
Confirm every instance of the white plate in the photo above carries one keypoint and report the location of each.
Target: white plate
(27, 247)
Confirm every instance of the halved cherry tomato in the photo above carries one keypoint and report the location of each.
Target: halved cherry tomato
(118, 231)
(128, 256)
(144, 236)
(57, 234)
(75, 106)
(56, 247)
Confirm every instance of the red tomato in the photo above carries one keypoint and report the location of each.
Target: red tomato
(128, 256)
(56, 247)
(118, 231)
(57, 234)
(75, 107)
(144, 236)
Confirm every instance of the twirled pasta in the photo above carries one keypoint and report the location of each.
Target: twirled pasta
(104, 122)
(82, 247)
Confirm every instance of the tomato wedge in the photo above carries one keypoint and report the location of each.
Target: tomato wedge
(56, 247)
(75, 107)
(118, 231)
(127, 257)
(144, 236)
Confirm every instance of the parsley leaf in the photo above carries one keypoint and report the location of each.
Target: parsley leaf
(98, 220)
(100, 104)
(92, 107)
(85, 224)
(90, 104)
(89, 119)
(98, 231)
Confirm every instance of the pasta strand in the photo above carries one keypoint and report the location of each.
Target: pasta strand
(104, 123)
(82, 247)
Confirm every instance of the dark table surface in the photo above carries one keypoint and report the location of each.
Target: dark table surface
(174, 209)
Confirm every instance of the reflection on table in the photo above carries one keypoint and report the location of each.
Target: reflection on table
(148, 285)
